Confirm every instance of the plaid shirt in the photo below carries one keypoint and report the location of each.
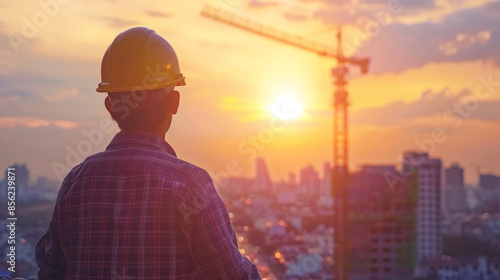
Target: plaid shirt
(136, 211)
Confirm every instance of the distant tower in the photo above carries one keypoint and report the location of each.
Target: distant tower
(262, 179)
(428, 233)
(489, 192)
(455, 194)
(489, 182)
(309, 180)
(326, 181)
(454, 176)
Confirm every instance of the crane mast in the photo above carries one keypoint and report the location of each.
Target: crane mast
(340, 172)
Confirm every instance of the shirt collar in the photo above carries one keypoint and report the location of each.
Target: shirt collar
(141, 139)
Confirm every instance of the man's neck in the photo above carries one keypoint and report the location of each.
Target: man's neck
(160, 133)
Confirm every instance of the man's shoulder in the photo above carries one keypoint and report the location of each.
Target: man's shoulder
(155, 163)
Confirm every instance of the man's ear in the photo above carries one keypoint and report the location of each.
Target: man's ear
(173, 101)
(108, 105)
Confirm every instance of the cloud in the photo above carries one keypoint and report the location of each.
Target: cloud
(351, 12)
(261, 4)
(214, 44)
(65, 124)
(429, 105)
(412, 6)
(49, 88)
(157, 14)
(399, 112)
(14, 95)
(335, 3)
(294, 16)
(30, 122)
(290, 12)
(463, 41)
(465, 35)
(4, 70)
(119, 23)
(361, 4)
(488, 111)
(421, 4)
(62, 94)
(338, 16)
(5, 44)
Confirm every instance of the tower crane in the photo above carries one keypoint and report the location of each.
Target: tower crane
(340, 172)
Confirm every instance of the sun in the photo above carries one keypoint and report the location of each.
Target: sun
(286, 107)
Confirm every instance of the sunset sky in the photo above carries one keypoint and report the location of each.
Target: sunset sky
(435, 67)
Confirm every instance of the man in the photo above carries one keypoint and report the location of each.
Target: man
(136, 211)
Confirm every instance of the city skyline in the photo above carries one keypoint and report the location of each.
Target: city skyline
(264, 180)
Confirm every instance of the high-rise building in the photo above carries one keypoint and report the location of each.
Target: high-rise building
(382, 224)
(455, 194)
(309, 181)
(454, 176)
(489, 193)
(489, 182)
(262, 179)
(326, 181)
(428, 232)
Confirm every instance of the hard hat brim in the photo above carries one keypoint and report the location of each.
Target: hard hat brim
(107, 87)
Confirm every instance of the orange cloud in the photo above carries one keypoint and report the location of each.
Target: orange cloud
(11, 122)
(65, 124)
(62, 94)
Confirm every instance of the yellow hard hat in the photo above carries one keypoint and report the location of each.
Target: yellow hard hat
(137, 60)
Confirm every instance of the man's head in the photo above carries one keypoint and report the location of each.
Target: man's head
(152, 113)
(140, 71)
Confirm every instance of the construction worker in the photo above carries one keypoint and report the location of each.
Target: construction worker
(136, 211)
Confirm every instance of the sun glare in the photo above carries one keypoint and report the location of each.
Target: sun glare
(286, 107)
